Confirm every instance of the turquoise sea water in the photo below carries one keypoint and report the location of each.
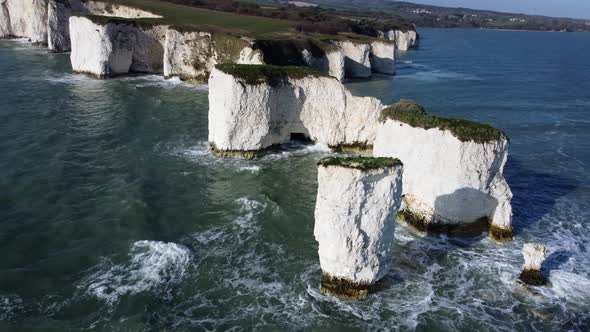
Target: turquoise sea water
(114, 216)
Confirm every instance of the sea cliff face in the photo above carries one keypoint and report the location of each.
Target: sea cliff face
(383, 57)
(252, 108)
(357, 62)
(319, 55)
(24, 19)
(113, 46)
(191, 55)
(454, 173)
(404, 39)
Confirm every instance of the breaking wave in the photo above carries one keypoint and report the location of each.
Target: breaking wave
(153, 266)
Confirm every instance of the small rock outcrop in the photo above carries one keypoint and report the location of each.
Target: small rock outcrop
(321, 56)
(191, 55)
(357, 202)
(255, 107)
(108, 47)
(534, 255)
(357, 61)
(454, 171)
(383, 57)
(24, 19)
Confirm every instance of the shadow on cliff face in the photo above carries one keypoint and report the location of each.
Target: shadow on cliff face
(354, 69)
(468, 204)
(535, 193)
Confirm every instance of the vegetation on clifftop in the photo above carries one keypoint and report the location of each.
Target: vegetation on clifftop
(412, 113)
(258, 74)
(362, 163)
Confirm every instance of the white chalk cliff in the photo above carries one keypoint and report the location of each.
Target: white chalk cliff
(115, 47)
(24, 19)
(193, 54)
(383, 57)
(254, 114)
(115, 10)
(357, 62)
(449, 180)
(331, 62)
(355, 215)
(404, 40)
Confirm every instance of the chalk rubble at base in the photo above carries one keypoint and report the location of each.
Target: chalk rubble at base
(451, 181)
(246, 116)
(357, 201)
(534, 256)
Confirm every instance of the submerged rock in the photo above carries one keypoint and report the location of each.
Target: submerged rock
(255, 107)
(534, 255)
(358, 199)
(454, 180)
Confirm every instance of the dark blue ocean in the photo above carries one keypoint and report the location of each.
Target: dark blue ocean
(114, 215)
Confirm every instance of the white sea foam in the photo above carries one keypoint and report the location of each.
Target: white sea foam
(252, 169)
(160, 81)
(153, 266)
(10, 306)
(68, 78)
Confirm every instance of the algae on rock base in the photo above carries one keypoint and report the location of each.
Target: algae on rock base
(532, 277)
(500, 234)
(425, 225)
(413, 114)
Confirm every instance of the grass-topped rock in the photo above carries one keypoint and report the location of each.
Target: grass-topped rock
(258, 74)
(362, 163)
(412, 113)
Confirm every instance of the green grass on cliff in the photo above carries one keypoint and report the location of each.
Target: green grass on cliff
(412, 113)
(362, 163)
(258, 74)
(179, 15)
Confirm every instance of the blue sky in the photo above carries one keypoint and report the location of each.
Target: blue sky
(560, 8)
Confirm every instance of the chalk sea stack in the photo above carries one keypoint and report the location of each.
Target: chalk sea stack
(357, 202)
(454, 180)
(534, 255)
(253, 108)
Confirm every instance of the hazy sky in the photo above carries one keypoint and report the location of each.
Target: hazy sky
(561, 8)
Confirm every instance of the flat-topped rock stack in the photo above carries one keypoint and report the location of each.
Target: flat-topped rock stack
(255, 107)
(454, 180)
(357, 202)
(534, 256)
